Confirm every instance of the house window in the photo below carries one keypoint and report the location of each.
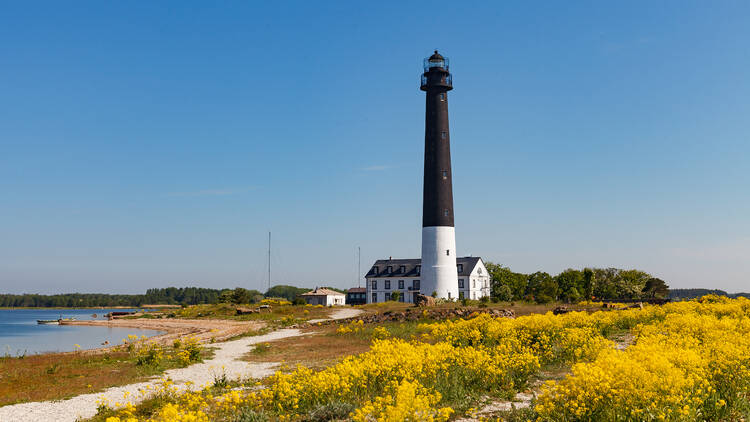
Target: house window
(460, 268)
(374, 284)
(449, 295)
(374, 298)
(419, 268)
(473, 295)
(445, 174)
(479, 270)
(401, 298)
(442, 96)
(386, 297)
(474, 283)
(415, 284)
(443, 135)
(402, 269)
(460, 283)
(401, 284)
(388, 284)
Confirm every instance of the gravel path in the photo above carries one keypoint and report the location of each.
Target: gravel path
(225, 360)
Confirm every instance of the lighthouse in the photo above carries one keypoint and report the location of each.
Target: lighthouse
(438, 271)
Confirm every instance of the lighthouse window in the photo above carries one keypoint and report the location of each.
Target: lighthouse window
(442, 96)
(445, 174)
(446, 212)
(443, 135)
(448, 252)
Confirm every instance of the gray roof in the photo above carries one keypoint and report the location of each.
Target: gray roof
(410, 267)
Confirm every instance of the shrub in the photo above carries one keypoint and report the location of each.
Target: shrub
(335, 410)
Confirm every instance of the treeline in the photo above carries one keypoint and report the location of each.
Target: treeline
(686, 294)
(163, 296)
(575, 285)
(169, 296)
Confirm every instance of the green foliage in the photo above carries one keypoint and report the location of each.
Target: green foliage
(333, 411)
(655, 288)
(249, 415)
(240, 296)
(287, 292)
(395, 296)
(575, 285)
(504, 277)
(167, 296)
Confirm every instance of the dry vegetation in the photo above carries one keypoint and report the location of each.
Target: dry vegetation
(62, 375)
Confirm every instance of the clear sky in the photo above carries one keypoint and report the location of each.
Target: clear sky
(149, 144)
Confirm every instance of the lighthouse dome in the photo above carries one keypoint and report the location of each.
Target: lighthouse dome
(435, 61)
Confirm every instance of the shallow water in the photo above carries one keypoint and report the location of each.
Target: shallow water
(20, 334)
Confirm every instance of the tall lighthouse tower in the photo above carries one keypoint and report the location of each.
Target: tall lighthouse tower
(438, 271)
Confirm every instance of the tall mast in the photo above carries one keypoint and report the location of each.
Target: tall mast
(269, 260)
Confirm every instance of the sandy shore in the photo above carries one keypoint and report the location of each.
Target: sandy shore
(203, 329)
(227, 360)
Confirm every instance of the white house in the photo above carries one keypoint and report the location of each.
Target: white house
(403, 275)
(323, 296)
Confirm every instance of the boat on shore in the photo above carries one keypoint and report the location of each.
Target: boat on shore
(53, 321)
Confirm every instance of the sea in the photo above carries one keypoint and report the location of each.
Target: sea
(21, 335)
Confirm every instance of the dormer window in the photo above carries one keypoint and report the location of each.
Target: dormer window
(460, 268)
(390, 269)
(419, 269)
(375, 270)
(402, 269)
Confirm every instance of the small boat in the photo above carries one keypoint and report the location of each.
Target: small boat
(54, 321)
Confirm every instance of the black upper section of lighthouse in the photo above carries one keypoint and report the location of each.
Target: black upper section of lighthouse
(437, 200)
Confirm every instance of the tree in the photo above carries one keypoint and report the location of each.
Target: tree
(503, 293)
(503, 276)
(395, 296)
(286, 292)
(588, 283)
(240, 295)
(542, 287)
(569, 283)
(655, 288)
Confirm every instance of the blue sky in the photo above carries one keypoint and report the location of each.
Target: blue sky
(147, 144)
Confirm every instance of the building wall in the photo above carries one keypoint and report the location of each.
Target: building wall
(475, 286)
(329, 300)
(407, 292)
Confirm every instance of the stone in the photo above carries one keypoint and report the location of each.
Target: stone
(423, 300)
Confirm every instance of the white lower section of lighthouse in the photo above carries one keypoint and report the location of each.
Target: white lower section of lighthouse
(439, 272)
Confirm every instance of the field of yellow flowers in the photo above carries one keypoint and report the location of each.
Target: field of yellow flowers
(689, 361)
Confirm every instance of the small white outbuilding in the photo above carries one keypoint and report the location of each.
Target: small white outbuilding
(323, 296)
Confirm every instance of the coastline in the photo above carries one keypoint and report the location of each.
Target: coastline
(205, 330)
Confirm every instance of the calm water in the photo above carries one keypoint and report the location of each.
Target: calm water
(19, 332)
